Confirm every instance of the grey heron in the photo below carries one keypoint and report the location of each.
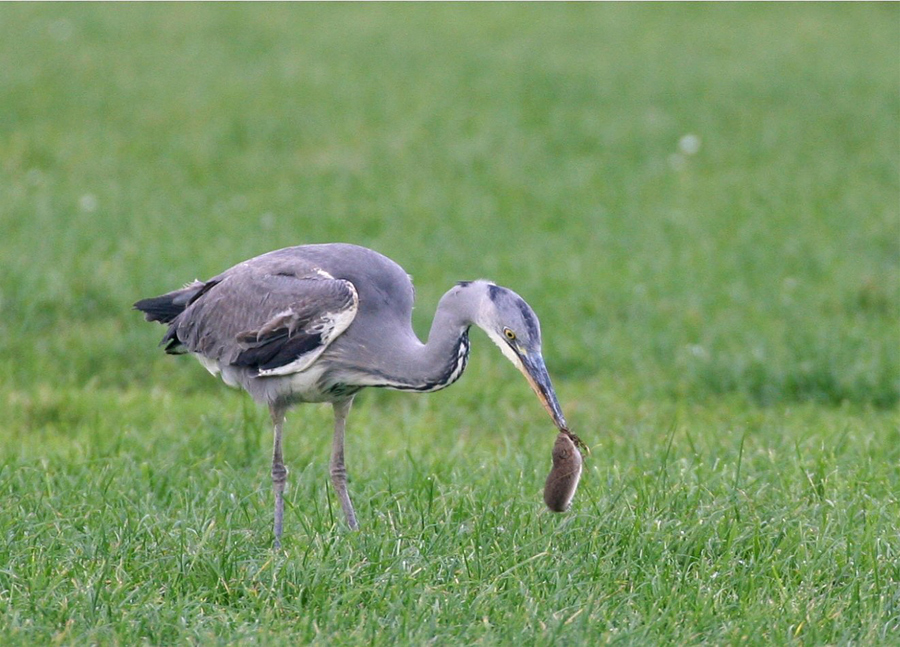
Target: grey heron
(317, 323)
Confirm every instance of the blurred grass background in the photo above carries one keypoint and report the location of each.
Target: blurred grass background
(699, 201)
(537, 146)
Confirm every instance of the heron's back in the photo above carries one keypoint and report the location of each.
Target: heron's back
(381, 283)
(314, 313)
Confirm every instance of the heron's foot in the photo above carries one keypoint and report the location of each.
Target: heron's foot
(339, 480)
(279, 478)
(351, 519)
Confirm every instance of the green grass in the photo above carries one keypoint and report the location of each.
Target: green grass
(721, 325)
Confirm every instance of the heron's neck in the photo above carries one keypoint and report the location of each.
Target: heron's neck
(441, 360)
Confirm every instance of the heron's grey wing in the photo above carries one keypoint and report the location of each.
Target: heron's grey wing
(293, 338)
(274, 323)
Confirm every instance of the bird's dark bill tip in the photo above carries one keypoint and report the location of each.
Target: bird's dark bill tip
(575, 439)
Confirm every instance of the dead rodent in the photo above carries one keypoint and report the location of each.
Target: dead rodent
(563, 478)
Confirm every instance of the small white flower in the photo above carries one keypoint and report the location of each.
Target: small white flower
(88, 203)
(689, 144)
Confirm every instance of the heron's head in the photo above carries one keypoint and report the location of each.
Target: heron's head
(513, 326)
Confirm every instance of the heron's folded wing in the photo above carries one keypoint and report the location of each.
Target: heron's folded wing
(274, 323)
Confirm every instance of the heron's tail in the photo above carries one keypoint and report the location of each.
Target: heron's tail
(165, 308)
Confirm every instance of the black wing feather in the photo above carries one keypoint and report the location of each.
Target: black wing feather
(276, 349)
(167, 307)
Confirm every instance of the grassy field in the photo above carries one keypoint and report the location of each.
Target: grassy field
(702, 203)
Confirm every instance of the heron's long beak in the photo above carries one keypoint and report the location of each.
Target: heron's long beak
(535, 372)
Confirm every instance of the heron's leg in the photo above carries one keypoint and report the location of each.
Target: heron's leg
(338, 472)
(279, 471)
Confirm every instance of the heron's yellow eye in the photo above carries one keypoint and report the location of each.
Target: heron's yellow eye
(510, 335)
